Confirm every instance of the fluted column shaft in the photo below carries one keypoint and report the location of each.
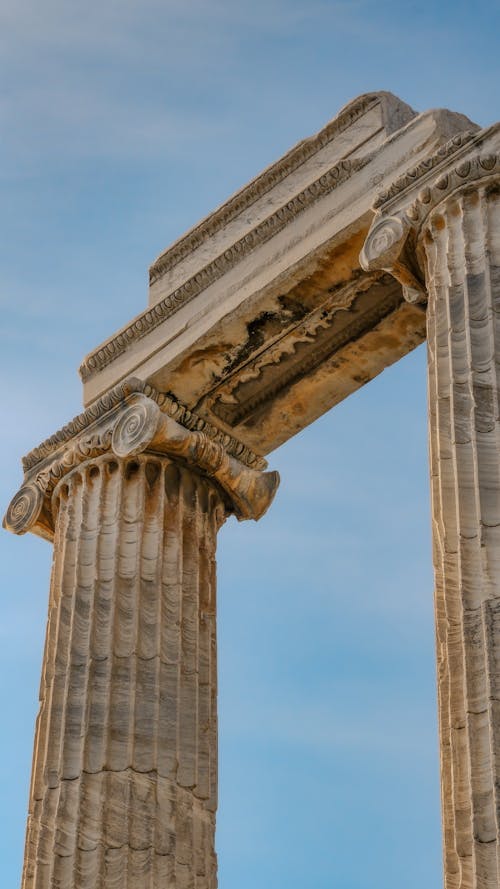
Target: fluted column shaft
(462, 257)
(132, 493)
(124, 786)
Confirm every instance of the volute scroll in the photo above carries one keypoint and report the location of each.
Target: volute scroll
(389, 247)
(132, 424)
(142, 426)
(404, 211)
(24, 509)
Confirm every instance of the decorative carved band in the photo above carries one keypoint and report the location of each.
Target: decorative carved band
(315, 340)
(393, 241)
(143, 426)
(470, 171)
(263, 183)
(136, 423)
(268, 228)
(167, 403)
(407, 180)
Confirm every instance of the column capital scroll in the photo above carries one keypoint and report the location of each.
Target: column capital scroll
(403, 211)
(132, 419)
(387, 247)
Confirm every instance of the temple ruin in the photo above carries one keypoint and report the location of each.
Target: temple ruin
(380, 231)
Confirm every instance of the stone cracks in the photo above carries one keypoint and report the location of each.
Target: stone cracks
(407, 181)
(188, 291)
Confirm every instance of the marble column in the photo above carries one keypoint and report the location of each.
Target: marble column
(446, 245)
(124, 783)
(462, 247)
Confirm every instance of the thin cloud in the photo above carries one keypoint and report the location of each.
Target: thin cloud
(380, 725)
(129, 80)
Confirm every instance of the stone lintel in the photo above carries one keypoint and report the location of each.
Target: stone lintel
(357, 130)
(261, 318)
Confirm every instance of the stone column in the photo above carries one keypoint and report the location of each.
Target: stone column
(124, 784)
(462, 248)
(449, 238)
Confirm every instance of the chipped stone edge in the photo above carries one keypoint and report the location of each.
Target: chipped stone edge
(151, 318)
(266, 181)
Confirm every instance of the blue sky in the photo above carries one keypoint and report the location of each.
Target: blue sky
(122, 124)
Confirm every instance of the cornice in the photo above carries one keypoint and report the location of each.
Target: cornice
(431, 171)
(483, 167)
(259, 186)
(268, 228)
(407, 180)
(134, 419)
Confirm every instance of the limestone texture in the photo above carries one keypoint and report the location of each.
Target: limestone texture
(445, 245)
(463, 260)
(381, 230)
(124, 786)
(124, 783)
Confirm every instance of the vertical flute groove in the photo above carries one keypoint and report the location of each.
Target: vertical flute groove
(447, 326)
(462, 250)
(119, 792)
(450, 857)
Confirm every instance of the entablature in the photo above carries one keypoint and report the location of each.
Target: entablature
(261, 317)
(394, 243)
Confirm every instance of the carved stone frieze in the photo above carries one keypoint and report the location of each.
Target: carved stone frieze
(339, 319)
(279, 233)
(128, 422)
(270, 226)
(471, 171)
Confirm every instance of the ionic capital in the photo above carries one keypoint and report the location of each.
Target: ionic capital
(389, 246)
(131, 419)
(404, 212)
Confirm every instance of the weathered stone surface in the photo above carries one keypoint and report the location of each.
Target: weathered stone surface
(128, 421)
(444, 229)
(463, 262)
(261, 318)
(124, 787)
(124, 784)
